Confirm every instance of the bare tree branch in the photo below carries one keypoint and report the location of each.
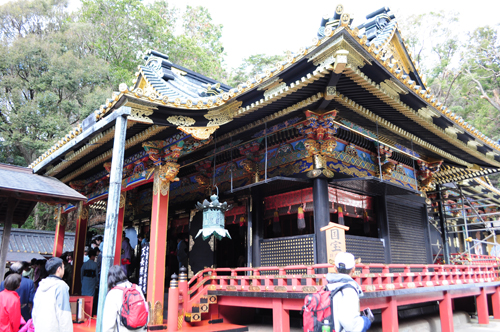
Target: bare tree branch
(484, 95)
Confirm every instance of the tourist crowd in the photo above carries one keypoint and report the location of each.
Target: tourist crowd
(35, 296)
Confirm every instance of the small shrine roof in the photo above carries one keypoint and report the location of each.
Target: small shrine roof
(25, 244)
(19, 186)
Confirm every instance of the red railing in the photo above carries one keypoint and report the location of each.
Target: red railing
(475, 259)
(371, 278)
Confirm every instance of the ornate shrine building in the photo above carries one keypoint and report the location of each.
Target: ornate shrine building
(343, 130)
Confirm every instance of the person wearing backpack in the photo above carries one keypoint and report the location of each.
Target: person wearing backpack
(125, 308)
(345, 302)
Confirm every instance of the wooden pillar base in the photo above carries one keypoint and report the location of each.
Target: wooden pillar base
(390, 321)
(281, 317)
(495, 299)
(446, 313)
(482, 307)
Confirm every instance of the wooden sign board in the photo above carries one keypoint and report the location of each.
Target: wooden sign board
(335, 241)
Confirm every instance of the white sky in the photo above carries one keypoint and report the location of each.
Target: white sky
(274, 26)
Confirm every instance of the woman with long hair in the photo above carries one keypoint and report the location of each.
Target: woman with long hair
(117, 281)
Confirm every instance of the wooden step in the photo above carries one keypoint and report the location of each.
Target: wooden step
(192, 317)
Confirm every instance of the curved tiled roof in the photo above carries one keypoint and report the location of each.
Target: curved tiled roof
(176, 87)
(34, 242)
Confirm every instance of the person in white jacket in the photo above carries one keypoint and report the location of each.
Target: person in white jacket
(346, 312)
(51, 309)
(114, 299)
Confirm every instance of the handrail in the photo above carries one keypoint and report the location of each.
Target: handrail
(472, 259)
(371, 278)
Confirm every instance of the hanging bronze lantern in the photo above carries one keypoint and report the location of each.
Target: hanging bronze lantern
(213, 218)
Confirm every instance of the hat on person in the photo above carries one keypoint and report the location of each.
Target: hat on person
(344, 260)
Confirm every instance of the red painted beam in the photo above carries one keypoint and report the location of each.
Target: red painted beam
(390, 321)
(247, 302)
(373, 303)
(419, 298)
(465, 292)
(482, 308)
(293, 304)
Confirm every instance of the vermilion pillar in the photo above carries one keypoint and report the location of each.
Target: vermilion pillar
(482, 307)
(158, 238)
(281, 317)
(390, 321)
(446, 313)
(119, 228)
(495, 301)
(80, 239)
(60, 231)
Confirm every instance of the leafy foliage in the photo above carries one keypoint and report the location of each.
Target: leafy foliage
(44, 80)
(57, 67)
(252, 65)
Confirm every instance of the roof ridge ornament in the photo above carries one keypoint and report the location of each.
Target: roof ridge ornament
(329, 24)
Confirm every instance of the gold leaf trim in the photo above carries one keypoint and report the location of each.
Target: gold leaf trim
(139, 138)
(352, 105)
(179, 120)
(421, 117)
(200, 133)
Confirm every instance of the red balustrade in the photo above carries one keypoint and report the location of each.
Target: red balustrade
(371, 277)
(464, 258)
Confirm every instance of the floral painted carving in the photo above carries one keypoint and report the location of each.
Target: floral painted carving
(284, 150)
(165, 174)
(107, 166)
(388, 168)
(202, 180)
(426, 173)
(154, 149)
(328, 147)
(248, 166)
(78, 185)
(168, 172)
(312, 147)
(319, 127)
(351, 150)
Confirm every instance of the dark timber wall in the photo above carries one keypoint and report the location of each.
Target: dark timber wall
(408, 231)
(370, 250)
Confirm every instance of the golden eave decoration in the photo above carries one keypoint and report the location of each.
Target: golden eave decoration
(145, 91)
(200, 133)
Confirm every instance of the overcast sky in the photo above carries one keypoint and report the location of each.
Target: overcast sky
(274, 26)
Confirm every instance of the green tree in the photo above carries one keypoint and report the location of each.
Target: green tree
(119, 30)
(435, 44)
(122, 30)
(253, 65)
(198, 46)
(44, 85)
